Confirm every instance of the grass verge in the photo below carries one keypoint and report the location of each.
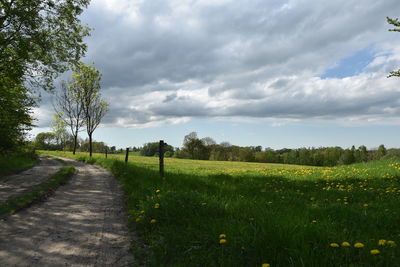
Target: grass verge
(44, 190)
(342, 216)
(17, 162)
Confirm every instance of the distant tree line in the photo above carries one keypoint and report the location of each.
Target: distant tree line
(207, 149)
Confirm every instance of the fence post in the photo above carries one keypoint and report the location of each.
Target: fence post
(126, 156)
(106, 152)
(161, 155)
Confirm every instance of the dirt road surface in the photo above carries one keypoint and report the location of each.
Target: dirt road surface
(82, 224)
(17, 184)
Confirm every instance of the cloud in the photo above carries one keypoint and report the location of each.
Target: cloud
(169, 61)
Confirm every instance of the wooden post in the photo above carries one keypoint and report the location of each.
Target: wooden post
(161, 155)
(106, 152)
(126, 156)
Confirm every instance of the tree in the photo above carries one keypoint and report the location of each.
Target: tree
(87, 81)
(380, 152)
(60, 133)
(45, 141)
(15, 113)
(395, 23)
(38, 40)
(69, 104)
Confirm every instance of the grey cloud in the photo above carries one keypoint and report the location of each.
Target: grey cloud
(250, 52)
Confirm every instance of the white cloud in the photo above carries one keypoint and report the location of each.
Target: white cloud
(169, 61)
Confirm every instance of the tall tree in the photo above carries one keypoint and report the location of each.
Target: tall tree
(16, 105)
(38, 40)
(69, 104)
(396, 24)
(87, 81)
(58, 127)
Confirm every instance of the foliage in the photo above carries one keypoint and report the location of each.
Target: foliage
(46, 141)
(40, 39)
(87, 82)
(69, 105)
(44, 190)
(396, 24)
(15, 113)
(195, 148)
(58, 127)
(152, 149)
(267, 213)
(17, 162)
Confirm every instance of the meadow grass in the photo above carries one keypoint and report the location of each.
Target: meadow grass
(42, 191)
(207, 213)
(17, 162)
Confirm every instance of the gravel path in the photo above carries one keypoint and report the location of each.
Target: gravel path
(82, 224)
(16, 185)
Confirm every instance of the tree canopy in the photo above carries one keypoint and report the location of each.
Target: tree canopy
(396, 24)
(38, 40)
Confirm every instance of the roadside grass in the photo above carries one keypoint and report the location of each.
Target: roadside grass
(17, 162)
(43, 191)
(266, 213)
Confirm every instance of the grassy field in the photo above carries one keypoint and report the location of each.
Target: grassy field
(18, 162)
(207, 213)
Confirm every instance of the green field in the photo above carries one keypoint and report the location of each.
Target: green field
(282, 215)
(17, 162)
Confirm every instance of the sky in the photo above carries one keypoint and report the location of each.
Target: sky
(293, 73)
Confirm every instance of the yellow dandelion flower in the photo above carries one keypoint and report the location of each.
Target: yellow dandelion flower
(158, 191)
(381, 242)
(153, 221)
(142, 212)
(157, 205)
(391, 242)
(345, 244)
(265, 265)
(375, 251)
(365, 205)
(222, 236)
(222, 241)
(358, 245)
(138, 219)
(334, 245)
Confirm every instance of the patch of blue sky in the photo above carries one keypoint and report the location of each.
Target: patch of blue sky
(351, 65)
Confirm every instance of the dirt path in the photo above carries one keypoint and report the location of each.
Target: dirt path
(17, 184)
(82, 224)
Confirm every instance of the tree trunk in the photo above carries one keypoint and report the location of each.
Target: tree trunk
(75, 143)
(90, 145)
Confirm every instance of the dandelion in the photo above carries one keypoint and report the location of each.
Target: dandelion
(381, 242)
(142, 212)
(222, 236)
(375, 251)
(334, 245)
(265, 265)
(157, 205)
(358, 245)
(158, 191)
(222, 241)
(365, 205)
(345, 244)
(138, 219)
(391, 243)
(153, 221)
